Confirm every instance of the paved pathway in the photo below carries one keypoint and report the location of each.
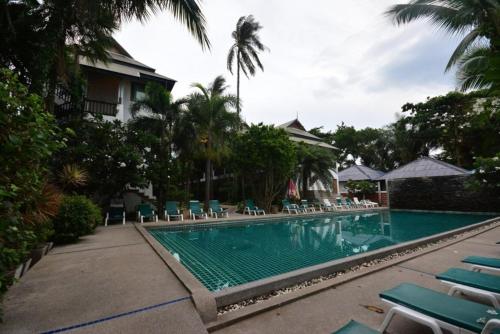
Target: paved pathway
(112, 278)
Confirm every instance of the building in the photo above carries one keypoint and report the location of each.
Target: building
(418, 178)
(364, 173)
(110, 90)
(112, 86)
(297, 133)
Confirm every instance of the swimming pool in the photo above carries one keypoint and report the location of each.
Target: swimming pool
(227, 255)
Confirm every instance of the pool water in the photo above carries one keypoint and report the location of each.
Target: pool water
(236, 253)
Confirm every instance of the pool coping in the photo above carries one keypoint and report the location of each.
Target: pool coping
(207, 302)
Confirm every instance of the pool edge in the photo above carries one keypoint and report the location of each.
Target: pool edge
(207, 302)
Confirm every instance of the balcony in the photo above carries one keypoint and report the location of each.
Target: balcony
(96, 107)
(65, 105)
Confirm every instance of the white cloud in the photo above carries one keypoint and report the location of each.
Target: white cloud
(328, 61)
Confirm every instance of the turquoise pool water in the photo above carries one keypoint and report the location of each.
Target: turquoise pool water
(241, 252)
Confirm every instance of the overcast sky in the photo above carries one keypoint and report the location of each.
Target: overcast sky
(329, 61)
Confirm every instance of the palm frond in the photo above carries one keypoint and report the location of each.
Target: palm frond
(188, 12)
(447, 18)
(474, 67)
(464, 45)
(230, 58)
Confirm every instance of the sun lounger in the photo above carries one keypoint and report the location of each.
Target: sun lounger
(439, 311)
(115, 213)
(368, 202)
(250, 208)
(342, 203)
(354, 327)
(195, 210)
(146, 211)
(216, 210)
(290, 207)
(331, 206)
(304, 205)
(472, 283)
(362, 204)
(479, 263)
(350, 203)
(172, 211)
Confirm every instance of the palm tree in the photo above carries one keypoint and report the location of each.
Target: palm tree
(156, 116)
(213, 123)
(315, 164)
(480, 22)
(246, 48)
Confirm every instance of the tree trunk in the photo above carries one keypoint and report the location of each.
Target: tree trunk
(238, 84)
(208, 180)
(304, 184)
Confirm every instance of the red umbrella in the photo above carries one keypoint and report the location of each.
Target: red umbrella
(292, 191)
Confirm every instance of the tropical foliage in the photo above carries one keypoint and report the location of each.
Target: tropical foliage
(362, 188)
(245, 50)
(477, 57)
(457, 128)
(77, 217)
(210, 113)
(154, 120)
(266, 158)
(103, 154)
(314, 164)
(28, 137)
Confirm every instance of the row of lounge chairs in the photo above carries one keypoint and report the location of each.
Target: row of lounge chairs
(340, 204)
(440, 311)
(172, 211)
(146, 211)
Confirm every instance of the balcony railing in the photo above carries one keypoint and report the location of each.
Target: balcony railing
(65, 105)
(100, 107)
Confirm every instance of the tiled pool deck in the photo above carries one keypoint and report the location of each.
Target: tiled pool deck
(114, 280)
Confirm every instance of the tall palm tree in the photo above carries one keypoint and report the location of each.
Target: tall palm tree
(315, 164)
(156, 115)
(478, 20)
(209, 109)
(246, 48)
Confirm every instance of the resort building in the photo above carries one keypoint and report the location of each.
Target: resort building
(364, 173)
(112, 87)
(297, 133)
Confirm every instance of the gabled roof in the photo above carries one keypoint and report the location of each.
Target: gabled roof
(122, 63)
(424, 167)
(359, 173)
(298, 133)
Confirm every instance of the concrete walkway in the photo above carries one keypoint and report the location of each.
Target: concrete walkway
(330, 309)
(112, 274)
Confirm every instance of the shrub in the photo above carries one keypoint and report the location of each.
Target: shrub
(28, 138)
(77, 216)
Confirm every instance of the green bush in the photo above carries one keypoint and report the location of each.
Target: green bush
(77, 216)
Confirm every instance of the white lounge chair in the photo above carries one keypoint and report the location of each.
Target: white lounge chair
(361, 205)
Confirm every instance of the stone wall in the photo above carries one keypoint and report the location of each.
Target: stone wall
(449, 193)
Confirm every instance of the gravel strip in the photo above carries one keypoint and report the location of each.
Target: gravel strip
(314, 281)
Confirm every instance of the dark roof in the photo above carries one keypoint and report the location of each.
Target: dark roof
(121, 62)
(358, 173)
(424, 167)
(298, 133)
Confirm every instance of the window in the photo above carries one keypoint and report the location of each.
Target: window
(137, 91)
